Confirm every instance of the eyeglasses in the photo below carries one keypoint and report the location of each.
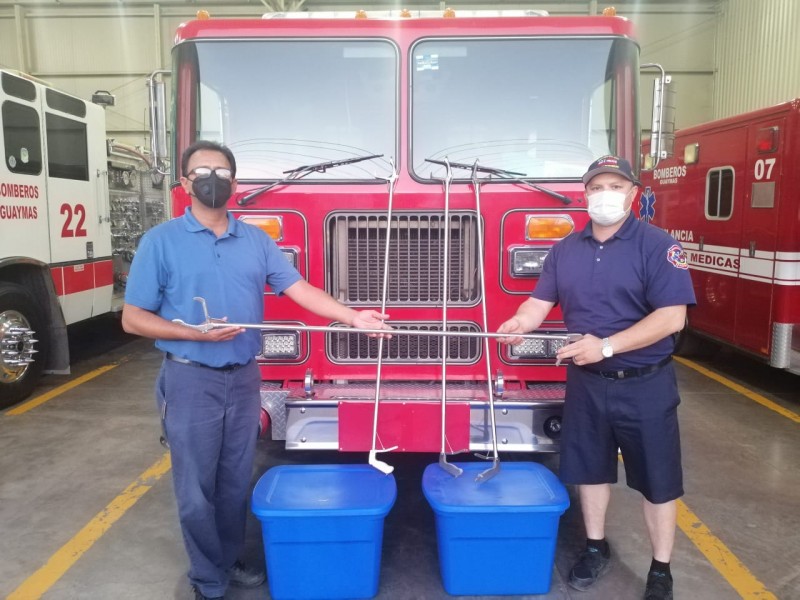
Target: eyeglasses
(203, 172)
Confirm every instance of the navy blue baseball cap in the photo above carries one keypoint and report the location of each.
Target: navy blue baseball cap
(610, 164)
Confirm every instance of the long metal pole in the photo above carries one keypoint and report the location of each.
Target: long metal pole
(445, 342)
(373, 460)
(495, 468)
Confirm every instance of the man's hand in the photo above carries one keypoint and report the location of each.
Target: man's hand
(513, 325)
(218, 334)
(372, 319)
(585, 351)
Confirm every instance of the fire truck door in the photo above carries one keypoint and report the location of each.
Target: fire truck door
(759, 235)
(80, 242)
(23, 195)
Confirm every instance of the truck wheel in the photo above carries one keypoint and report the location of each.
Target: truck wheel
(23, 343)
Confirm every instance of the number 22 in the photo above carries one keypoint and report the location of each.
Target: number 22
(78, 213)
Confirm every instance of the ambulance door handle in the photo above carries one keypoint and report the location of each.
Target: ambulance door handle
(103, 201)
(752, 249)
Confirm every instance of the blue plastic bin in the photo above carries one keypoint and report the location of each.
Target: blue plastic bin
(323, 529)
(497, 537)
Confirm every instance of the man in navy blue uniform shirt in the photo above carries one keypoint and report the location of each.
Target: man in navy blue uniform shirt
(208, 386)
(625, 285)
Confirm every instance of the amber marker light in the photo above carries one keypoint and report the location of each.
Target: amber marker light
(610, 11)
(361, 14)
(551, 227)
(449, 13)
(272, 226)
(203, 15)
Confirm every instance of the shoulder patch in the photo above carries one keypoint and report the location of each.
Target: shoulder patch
(677, 257)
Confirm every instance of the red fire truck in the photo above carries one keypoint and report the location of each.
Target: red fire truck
(731, 195)
(457, 140)
(72, 208)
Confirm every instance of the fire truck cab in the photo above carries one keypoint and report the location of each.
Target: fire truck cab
(457, 140)
(731, 196)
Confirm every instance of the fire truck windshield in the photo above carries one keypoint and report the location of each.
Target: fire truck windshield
(544, 107)
(282, 103)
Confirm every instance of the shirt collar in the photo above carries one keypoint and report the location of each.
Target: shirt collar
(194, 226)
(625, 232)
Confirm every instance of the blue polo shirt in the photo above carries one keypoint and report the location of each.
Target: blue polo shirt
(604, 288)
(181, 259)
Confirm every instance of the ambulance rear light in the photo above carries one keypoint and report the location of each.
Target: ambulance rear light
(691, 153)
(280, 344)
(767, 140)
(548, 227)
(271, 225)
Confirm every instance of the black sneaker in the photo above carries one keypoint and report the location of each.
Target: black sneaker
(590, 567)
(659, 586)
(198, 595)
(244, 577)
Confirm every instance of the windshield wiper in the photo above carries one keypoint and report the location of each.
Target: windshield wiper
(510, 176)
(302, 171)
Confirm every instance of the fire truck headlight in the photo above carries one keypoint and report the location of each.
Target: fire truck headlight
(290, 254)
(530, 348)
(280, 345)
(527, 262)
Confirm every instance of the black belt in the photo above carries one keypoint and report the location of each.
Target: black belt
(634, 372)
(186, 361)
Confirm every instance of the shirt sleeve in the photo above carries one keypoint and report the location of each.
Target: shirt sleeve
(668, 280)
(146, 278)
(547, 286)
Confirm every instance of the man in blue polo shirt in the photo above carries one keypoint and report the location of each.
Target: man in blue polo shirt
(625, 285)
(208, 386)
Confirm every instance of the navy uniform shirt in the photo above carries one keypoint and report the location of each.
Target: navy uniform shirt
(605, 287)
(181, 259)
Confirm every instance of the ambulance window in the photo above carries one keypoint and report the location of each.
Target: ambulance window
(23, 148)
(64, 103)
(719, 194)
(18, 87)
(67, 153)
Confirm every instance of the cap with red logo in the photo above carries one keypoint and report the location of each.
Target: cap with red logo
(610, 164)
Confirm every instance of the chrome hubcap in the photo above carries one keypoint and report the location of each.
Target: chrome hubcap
(17, 346)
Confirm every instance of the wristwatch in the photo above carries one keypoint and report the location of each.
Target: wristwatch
(607, 350)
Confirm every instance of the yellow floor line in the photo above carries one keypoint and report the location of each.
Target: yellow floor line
(741, 389)
(723, 560)
(39, 400)
(43, 579)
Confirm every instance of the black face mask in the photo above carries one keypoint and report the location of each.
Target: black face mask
(212, 191)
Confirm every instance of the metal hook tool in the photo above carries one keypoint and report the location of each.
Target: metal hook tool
(445, 343)
(373, 460)
(495, 468)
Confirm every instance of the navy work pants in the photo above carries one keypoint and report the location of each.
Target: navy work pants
(211, 423)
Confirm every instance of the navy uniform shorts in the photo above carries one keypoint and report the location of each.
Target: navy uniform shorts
(638, 416)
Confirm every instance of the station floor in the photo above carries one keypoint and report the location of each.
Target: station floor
(87, 512)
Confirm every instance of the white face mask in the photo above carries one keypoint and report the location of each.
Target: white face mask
(607, 207)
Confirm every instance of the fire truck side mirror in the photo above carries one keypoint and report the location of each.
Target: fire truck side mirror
(662, 132)
(158, 121)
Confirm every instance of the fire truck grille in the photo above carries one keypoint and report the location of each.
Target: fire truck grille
(356, 256)
(357, 347)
